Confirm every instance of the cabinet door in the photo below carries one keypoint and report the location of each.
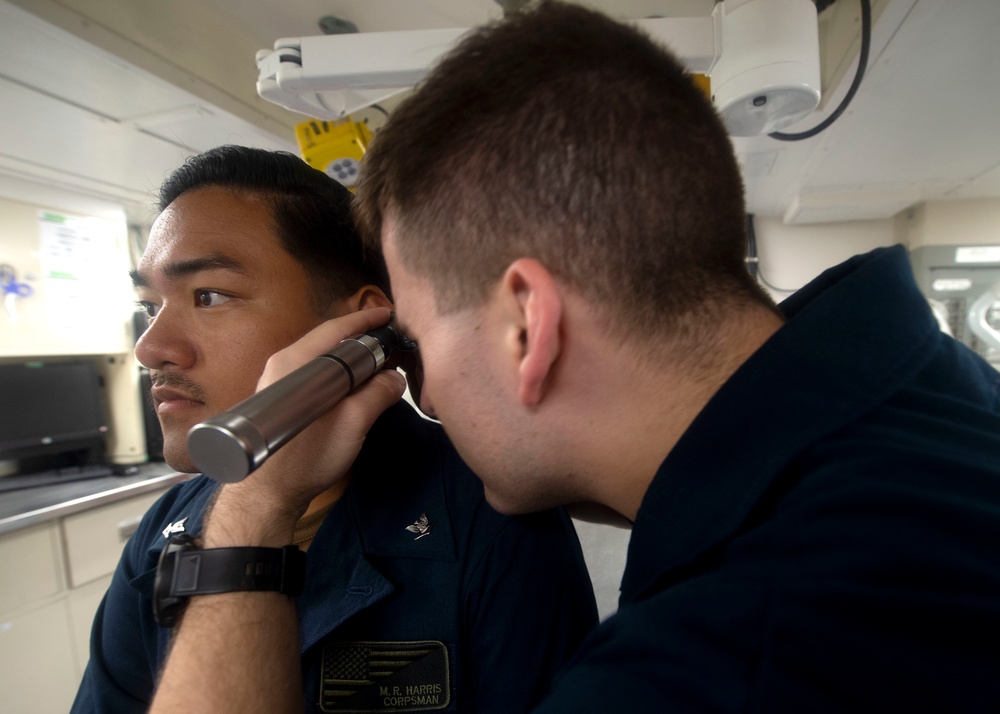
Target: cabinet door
(37, 667)
(83, 602)
(31, 562)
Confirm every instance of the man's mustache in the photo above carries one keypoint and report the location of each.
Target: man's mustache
(179, 382)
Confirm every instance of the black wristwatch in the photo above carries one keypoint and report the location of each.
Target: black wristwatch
(185, 569)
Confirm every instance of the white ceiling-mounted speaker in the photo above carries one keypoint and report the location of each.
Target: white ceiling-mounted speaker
(767, 75)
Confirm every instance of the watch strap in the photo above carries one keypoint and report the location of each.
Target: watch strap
(184, 569)
(221, 570)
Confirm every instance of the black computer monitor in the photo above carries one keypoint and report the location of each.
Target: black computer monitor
(51, 413)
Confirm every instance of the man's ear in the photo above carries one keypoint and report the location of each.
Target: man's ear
(365, 297)
(532, 297)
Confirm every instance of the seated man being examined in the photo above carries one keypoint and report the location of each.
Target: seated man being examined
(417, 595)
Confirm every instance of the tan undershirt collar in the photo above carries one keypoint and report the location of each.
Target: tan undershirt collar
(307, 526)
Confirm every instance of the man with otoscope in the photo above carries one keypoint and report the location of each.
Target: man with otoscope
(412, 593)
(815, 486)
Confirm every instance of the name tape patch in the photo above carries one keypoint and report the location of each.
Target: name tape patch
(363, 677)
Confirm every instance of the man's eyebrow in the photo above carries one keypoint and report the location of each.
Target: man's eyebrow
(138, 279)
(184, 268)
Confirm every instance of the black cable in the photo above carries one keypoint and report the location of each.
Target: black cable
(866, 41)
(753, 260)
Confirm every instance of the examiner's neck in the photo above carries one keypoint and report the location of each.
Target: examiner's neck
(644, 418)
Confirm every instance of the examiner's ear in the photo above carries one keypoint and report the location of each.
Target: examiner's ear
(532, 299)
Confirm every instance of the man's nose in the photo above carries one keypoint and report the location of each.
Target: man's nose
(165, 343)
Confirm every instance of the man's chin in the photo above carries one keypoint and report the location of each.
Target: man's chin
(184, 467)
(511, 506)
(177, 458)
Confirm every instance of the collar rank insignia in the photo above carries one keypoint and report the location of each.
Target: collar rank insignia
(176, 527)
(422, 526)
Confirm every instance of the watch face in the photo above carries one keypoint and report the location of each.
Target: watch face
(166, 607)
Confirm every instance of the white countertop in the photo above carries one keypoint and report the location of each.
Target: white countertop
(28, 506)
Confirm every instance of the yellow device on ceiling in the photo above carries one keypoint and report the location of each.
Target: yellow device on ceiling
(335, 147)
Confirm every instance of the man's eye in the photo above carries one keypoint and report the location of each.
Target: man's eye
(149, 308)
(209, 298)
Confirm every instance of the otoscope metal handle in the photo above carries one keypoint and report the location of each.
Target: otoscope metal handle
(231, 445)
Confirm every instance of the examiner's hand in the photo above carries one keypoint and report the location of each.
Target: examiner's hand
(262, 508)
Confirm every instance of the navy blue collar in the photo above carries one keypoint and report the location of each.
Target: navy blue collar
(853, 335)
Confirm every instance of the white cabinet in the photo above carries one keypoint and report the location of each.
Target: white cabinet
(39, 670)
(31, 566)
(53, 578)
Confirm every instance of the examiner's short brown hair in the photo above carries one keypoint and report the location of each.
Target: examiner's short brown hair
(562, 135)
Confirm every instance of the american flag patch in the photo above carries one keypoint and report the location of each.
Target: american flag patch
(385, 677)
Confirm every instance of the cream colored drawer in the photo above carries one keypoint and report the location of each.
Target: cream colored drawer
(30, 558)
(94, 539)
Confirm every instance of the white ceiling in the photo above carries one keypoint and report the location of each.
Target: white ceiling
(100, 97)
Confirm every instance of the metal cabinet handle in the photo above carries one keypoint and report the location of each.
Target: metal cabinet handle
(127, 527)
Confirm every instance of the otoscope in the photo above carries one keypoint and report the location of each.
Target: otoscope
(230, 445)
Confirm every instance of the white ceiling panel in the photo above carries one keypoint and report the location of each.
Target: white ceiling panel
(57, 63)
(928, 103)
(78, 117)
(114, 158)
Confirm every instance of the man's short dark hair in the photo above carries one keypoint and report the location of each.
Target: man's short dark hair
(562, 135)
(312, 214)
